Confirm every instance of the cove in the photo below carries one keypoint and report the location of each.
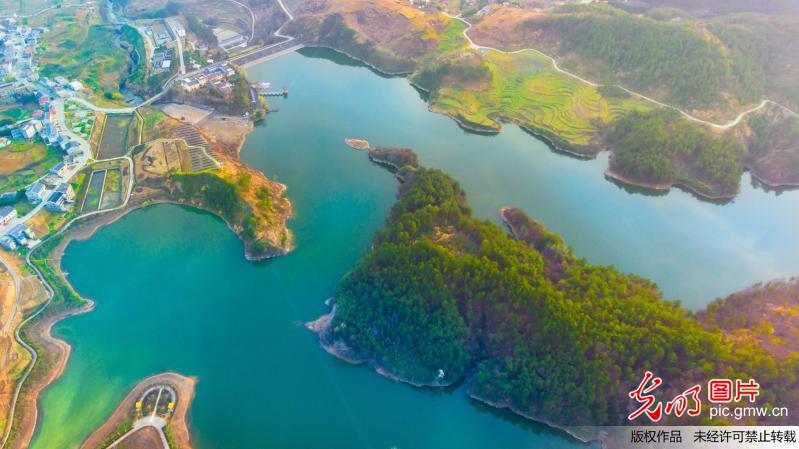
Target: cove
(174, 292)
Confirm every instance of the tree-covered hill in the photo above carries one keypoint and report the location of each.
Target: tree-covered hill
(673, 59)
(444, 296)
(660, 147)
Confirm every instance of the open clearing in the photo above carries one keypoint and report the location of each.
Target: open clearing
(163, 156)
(144, 438)
(186, 113)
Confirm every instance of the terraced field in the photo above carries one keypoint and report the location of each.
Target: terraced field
(199, 160)
(526, 91)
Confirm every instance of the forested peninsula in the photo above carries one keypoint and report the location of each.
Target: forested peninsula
(444, 297)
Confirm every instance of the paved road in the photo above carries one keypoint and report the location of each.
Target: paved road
(727, 125)
(285, 10)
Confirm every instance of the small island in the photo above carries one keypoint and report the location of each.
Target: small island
(358, 144)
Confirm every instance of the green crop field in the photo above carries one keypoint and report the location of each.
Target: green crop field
(16, 112)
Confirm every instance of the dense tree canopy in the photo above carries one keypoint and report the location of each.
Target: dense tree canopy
(642, 53)
(660, 146)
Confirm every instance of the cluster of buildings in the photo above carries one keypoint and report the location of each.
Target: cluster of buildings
(56, 198)
(216, 75)
(17, 51)
(20, 83)
(60, 87)
(162, 33)
(177, 29)
(45, 125)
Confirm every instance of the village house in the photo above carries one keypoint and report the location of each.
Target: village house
(26, 132)
(57, 202)
(60, 169)
(22, 235)
(35, 192)
(67, 190)
(7, 243)
(7, 214)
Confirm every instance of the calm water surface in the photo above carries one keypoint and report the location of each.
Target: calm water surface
(173, 291)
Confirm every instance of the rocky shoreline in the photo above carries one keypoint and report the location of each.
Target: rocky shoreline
(321, 327)
(584, 437)
(340, 350)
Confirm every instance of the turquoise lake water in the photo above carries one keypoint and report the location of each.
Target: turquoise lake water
(174, 292)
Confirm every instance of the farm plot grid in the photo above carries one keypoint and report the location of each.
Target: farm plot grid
(199, 160)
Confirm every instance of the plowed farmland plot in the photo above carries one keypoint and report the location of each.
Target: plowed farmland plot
(115, 136)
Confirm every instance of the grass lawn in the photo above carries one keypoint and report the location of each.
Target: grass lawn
(150, 118)
(23, 162)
